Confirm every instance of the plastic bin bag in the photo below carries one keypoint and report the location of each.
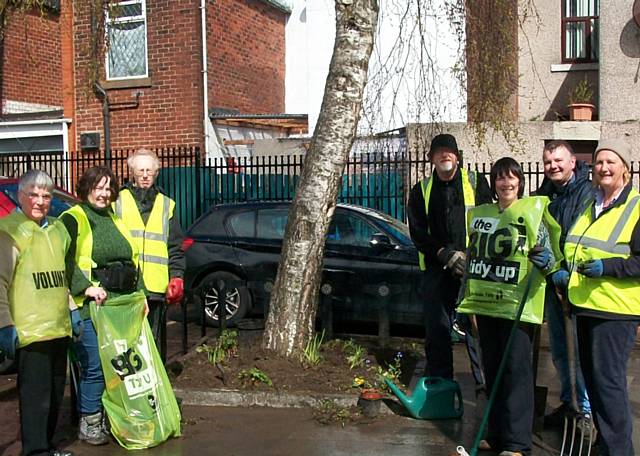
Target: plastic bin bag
(138, 397)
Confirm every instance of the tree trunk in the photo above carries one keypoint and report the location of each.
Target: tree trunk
(293, 305)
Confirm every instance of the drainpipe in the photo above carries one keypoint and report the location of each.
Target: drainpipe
(205, 88)
(106, 123)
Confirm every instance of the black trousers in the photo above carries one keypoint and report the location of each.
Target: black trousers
(605, 347)
(439, 290)
(511, 416)
(158, 322)
(42, 371)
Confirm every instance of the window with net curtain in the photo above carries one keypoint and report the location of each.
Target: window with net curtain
(127, 40)
(580, 30)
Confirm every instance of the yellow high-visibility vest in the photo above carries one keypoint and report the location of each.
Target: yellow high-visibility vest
(38, 294)
(84, 244)
(151, 238)
(608, 236)
(469, 180)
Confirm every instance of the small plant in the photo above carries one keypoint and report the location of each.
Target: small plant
(226, 345)
(392, 372)
(360, 382)
(355, 354)
(255, 376)
(327, 412)
(311, 355)
(581, 93)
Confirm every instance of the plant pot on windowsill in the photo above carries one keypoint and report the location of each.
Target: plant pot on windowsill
(369, 402)
(581, 111)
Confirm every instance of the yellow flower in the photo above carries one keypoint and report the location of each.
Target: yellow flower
(358, 381)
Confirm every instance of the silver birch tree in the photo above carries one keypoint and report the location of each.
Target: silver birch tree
(294, 299)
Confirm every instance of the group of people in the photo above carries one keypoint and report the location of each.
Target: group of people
(115, 242)
(571, 253)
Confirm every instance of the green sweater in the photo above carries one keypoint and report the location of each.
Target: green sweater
(108, 246)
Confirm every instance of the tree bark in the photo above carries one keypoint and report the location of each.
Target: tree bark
(294, 299)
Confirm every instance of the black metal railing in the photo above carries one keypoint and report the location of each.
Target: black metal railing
(378, 181)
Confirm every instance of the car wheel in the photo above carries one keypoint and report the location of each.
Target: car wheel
(236, 303)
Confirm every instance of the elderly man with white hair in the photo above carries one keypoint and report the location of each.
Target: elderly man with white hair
(152, 220)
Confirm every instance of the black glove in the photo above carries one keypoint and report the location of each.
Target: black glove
(455, 260)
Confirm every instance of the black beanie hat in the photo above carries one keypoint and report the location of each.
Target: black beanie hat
(444, 140)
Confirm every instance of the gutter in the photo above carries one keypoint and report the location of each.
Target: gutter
(205, 77)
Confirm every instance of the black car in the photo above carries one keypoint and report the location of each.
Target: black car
(368, 257)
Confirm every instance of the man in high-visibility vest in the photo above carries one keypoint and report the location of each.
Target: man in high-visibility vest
(568, 186)
(35, 319)
(437, 222)
(153, 222)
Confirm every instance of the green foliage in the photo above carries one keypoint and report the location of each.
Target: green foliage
(311, 354)
(327, 412)
(355, 354)
(582, 92)
(255, 376)
(226, 345)
(393, 371)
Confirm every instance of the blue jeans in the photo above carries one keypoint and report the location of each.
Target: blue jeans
(91, 382)
(605, 347)
(558, 346)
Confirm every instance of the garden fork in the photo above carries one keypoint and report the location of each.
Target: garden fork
(575, 419)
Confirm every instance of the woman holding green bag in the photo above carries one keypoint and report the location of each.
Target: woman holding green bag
(505, 238)
(101, 264)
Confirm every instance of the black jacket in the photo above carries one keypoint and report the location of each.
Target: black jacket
(145, 199)
(445, 225)
(570, 200)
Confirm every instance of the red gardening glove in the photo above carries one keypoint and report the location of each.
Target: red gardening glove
(175, 290)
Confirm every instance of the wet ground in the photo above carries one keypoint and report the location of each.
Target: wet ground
(274, 432)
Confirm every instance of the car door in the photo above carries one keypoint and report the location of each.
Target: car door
(259, 253)
(364, 270)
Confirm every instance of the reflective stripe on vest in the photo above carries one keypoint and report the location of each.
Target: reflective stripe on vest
(151, 239)
(84, 244)
(469, 181)
(608, 236)
(38, 294)
(498, 265)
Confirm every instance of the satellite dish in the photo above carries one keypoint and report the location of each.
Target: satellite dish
(636, 12)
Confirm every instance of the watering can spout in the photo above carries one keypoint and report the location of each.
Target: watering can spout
(432, 398)
(404, 399)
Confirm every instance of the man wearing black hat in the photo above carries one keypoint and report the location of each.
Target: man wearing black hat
(437, 222)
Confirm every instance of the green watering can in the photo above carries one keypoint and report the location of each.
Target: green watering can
(433, 398)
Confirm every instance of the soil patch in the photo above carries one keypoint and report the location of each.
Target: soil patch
(345, 366)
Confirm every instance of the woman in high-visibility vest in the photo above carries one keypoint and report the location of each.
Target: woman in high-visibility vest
(101, 263)
(504, 239)
(603, 257)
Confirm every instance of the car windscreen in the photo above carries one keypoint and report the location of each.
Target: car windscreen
(398, 229)
(209, 224)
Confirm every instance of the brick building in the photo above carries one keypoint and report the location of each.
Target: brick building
(150, 88)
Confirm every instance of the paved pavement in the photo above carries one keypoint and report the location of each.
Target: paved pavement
(270, 431)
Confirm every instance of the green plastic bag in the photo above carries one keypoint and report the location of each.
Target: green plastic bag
(138, 397)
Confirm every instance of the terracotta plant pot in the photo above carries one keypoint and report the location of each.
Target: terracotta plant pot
(369, 402)
(581, 111)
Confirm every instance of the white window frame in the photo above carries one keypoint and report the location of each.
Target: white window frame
(123, 20)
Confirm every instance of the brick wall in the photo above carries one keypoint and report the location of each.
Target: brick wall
(169, 111)
(31, 65)
(246, 50)
(246, 53)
